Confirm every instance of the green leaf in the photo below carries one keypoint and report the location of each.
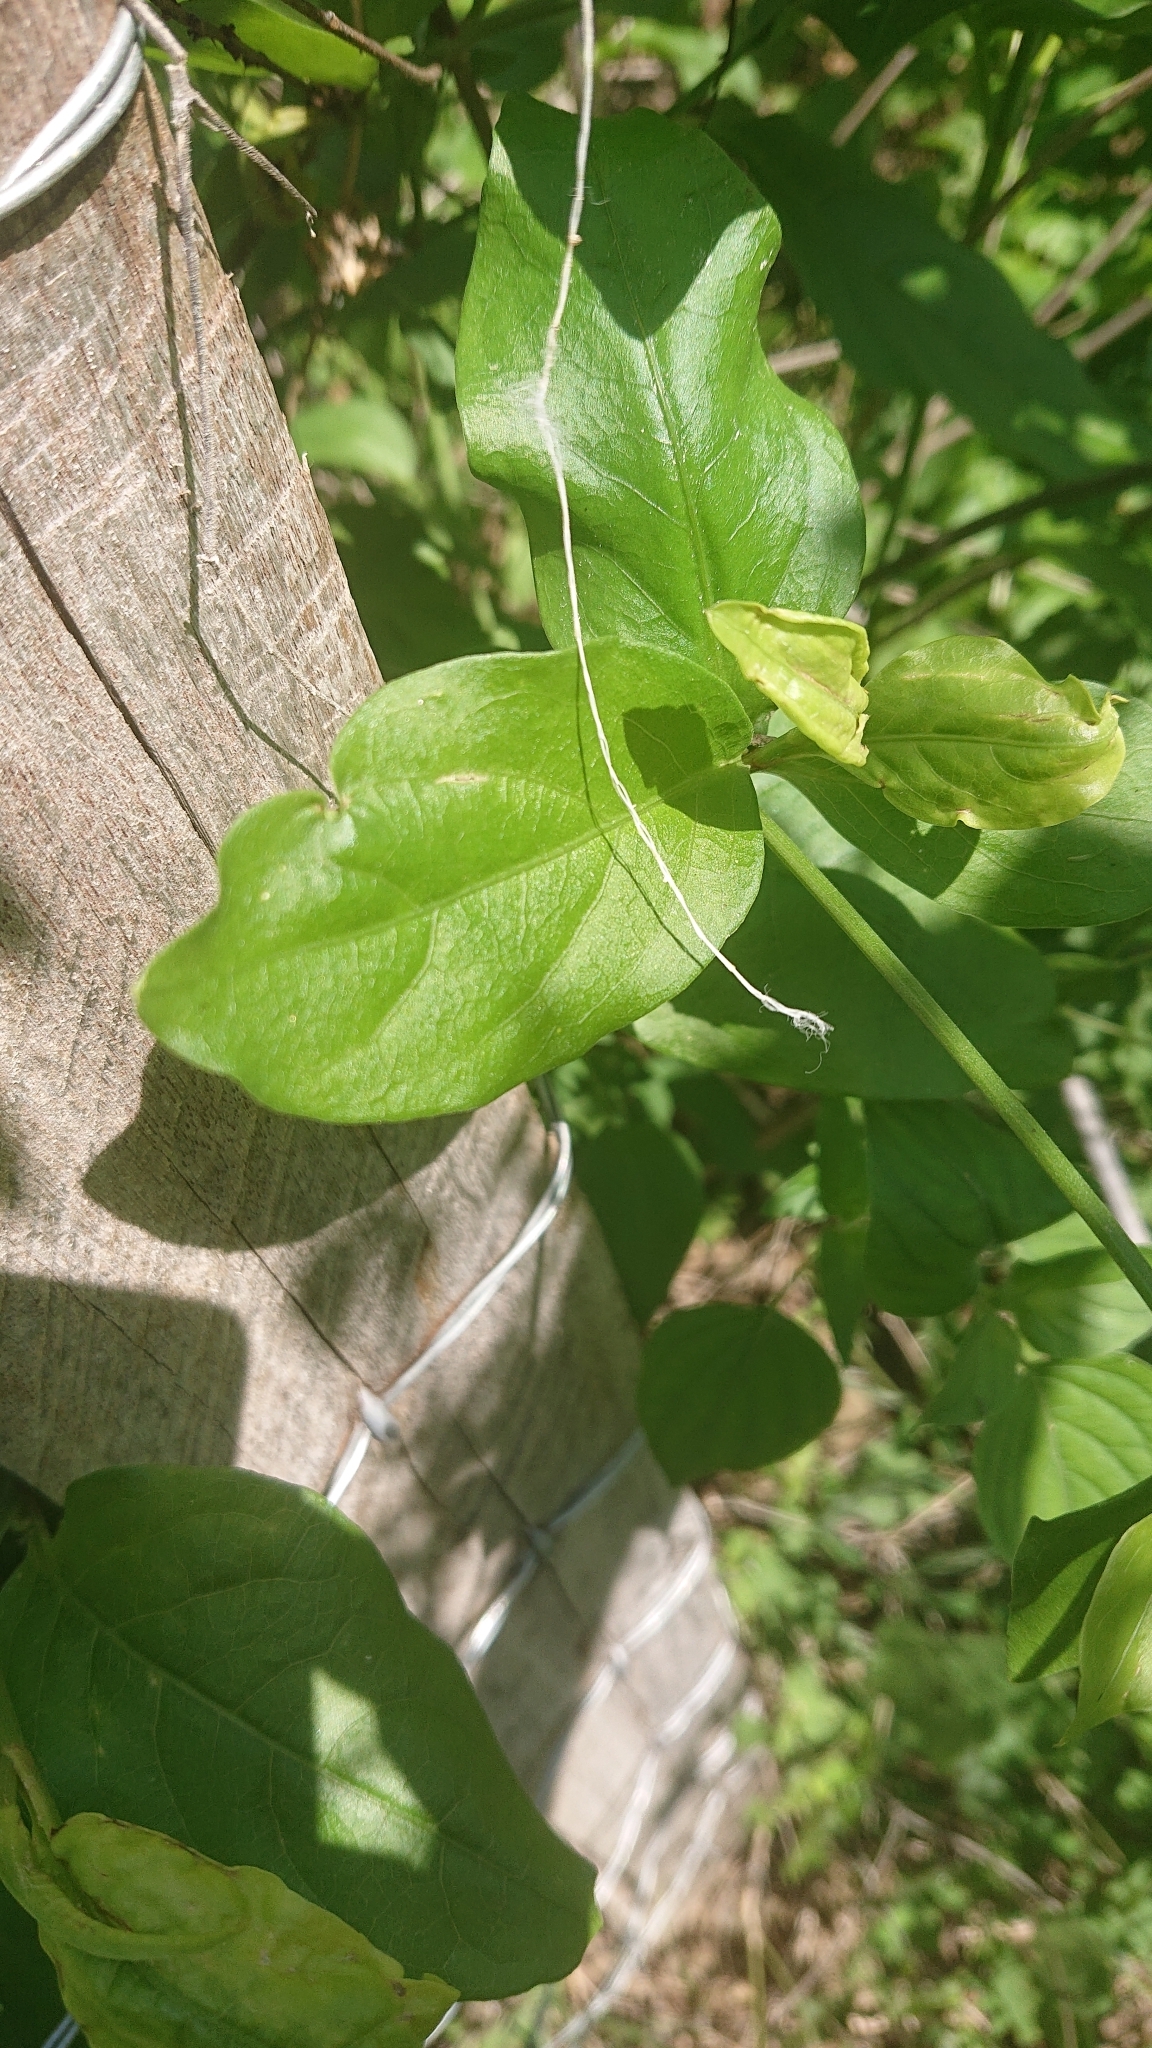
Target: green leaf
(223, 1657)
(841, 1279)
(918, 312)
(155, 1943)
(366, 435)
(946, 1185)
(872, 31)
(412, 616)
(693, 473)
(1095, 869)
(476, 906)
(843, 1158)
(1073, 1431)
(1116, 1644)
(727, 1388)
(982, 1374)
(995, 986)
(648, 1200)
(30, 2002)
(964, 731)
(291, 43)
(1054, 1575)
(1076, 1305)
(812, 668)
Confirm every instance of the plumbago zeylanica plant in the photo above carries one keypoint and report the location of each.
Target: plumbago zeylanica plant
(241, 1790)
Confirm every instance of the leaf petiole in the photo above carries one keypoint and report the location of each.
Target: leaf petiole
(1032, 1135)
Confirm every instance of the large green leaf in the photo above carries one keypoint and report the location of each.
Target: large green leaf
(1116, 1642)
(1073, 1431)
(725, 1388)
(1095, 869)
(995, 986)
(945, 1186)
(224, 1658)
(964, 731)
(918, 312)
(693, 473)
(476, 906)
(648, 1200)
(1076, 1305)
(1054, 1574)
(292, 43)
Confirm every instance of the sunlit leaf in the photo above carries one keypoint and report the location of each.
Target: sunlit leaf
(1073, 1431)
(810, 667)
(291, 43)
(476, 906)
(1116, 1643)
(1076, 1305)
(1055, 1573)
(728, 1388)
(224, 1658)
(694, 474)
(366, 435)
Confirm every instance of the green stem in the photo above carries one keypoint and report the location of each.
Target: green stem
(1047, 1154)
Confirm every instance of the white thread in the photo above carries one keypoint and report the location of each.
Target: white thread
(804, 1020)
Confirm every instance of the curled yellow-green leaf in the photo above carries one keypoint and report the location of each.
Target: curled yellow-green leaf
(810, 667)
(155, 1946)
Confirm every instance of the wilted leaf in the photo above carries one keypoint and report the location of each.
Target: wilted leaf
(1073, 1431)
(476, 906)
(1116, 1643)
(153, 1942)
(229, 1660)
(694, 474)
(945, 1185)
(727, 1388)
(810, 667)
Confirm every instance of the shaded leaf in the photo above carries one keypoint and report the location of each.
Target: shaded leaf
(153, 1942)
(1075, 1305)
(995, 986)
(1073, 1431)
(918, 312)
(225, 1656)
(841, 1279)
(946, 1185)
(648, 1202)
(1094, 869)
(982, 1374)
(727, 1388)
(291, 43)
(30, 2001)
(477, 906)
(694, 474)
(1054, 1575)
(843, 1158)
(810, 667)
(1116, 1643)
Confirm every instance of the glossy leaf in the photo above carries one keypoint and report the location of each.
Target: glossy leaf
(153, 1942)
(982, 1374)
(366, 435)
(694, 474)
(1116, 1643)
(728, 1388)
(964, 731)
(1073, 1431)
(648, 1200)
(995, 986)
(917, 311)
(476, 906)
(946, 1185)
(221, 1656)
(291, 43)
(1095, 869)
(1055, 1573)
(1075, 1305)
(810, 667)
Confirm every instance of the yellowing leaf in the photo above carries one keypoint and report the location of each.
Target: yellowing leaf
(810, 667)
(156, 1944)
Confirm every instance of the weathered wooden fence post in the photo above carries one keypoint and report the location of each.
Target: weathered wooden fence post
(187, 1277)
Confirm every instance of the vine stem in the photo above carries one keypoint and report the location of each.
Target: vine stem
(1047, 1154)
